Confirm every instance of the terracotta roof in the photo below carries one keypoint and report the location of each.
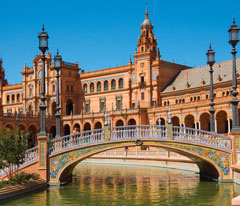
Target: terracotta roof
(196, 75)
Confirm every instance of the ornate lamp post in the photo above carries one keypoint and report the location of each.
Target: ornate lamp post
(43, 46)
(233, 40)
(57, 65)
(211, 61)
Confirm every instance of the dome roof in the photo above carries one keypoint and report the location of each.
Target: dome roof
(146, 22)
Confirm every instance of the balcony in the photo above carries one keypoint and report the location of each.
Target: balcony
(142, 84)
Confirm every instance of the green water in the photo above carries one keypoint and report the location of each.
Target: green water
(132, 185)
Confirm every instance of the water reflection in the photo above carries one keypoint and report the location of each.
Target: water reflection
(130, 185)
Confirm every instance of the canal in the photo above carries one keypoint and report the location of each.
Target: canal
(102, 184)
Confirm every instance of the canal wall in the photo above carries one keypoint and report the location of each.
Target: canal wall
(13, 191)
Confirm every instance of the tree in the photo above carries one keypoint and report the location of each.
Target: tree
(13, 145)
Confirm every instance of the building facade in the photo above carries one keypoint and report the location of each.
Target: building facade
(135, 94)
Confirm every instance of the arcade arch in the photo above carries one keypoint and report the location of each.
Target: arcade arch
(119, 123)
(205, 121)
(189, 121)
(66, 129)
(222, 123)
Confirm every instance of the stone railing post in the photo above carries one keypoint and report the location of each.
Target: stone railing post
(107, 132)
(43, 157)
(170, 131)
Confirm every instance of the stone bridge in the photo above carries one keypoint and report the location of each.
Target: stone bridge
(55, 160)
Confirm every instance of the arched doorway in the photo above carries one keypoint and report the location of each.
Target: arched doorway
(52, 132)
(66, 129)
(76, 128)
(98, 125)
(222, 123)
(175, 121)
(54, 105)
(189, 121)
(132, 122)
(205, 121)
(32, 141)
(119, 123)
(69, 107)
(87, 126)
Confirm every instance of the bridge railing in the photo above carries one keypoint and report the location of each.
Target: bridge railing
(202, 137)
(139, 131)
(30, 156)
(75, 140)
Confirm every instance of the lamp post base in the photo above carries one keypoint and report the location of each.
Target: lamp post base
(235, 130)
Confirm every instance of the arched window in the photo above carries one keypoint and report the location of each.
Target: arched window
(99, 86)
(206, 96)
(8, 99)
(85, 88)
(18, 97)
(13, 98)
(106, 85)
(113, 84)
(176, 101)
(223, 94)
(191, 99)
(92, 87)
(120, 83)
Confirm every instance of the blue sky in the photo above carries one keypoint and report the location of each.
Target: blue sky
(104, 33)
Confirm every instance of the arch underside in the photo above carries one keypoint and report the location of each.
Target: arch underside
(213, 164)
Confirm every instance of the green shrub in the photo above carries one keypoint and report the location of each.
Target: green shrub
(23, 177)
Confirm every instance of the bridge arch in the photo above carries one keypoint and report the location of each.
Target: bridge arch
(208, 168)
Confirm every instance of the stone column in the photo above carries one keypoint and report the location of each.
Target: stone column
(215, 125)
(229, 125)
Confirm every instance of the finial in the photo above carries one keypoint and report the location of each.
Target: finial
(234, 20)
(57, 52)
(146, 13)
(210, 46)
(130, 59)
(159, 120)
(43, 27)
